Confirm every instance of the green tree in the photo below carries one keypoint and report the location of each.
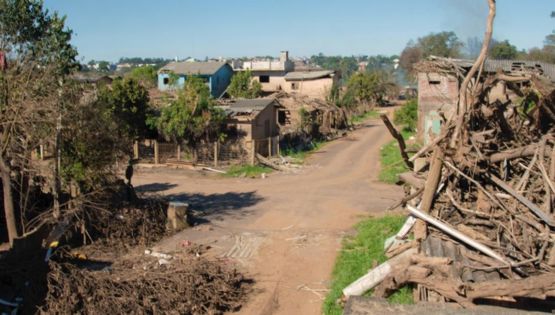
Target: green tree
(193, 117)
(407, 115)
(443, 44)
(126, 103)
(243, 86)
(345, 65)
(97, 133)
(103, 66)
(503, 50)
(368, 87)
(409, 57)
(32, 102)
(146, 75)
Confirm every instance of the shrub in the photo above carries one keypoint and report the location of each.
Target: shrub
(407, 115)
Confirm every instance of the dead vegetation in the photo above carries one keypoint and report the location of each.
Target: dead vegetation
(139, 223)
(101, 268)
(482, 199)
(487, 201)
(140, 284)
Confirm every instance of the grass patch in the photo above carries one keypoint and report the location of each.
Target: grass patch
(357, 119)
(301, 155)
(359, 254)
(247, 170)
(392, 161)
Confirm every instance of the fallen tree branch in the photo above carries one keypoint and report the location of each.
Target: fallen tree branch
(400, 140)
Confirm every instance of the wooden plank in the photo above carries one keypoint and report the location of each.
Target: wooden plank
(456, 234)
(530, 205)
(378, 274)
(432, 182)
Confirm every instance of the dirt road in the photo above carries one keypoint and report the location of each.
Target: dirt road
(285, 230)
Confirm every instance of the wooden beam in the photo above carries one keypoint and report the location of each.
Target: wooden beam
(530, 205)
(432, 182)
(456, 234)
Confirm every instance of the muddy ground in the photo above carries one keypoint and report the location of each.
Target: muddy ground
(285, 230)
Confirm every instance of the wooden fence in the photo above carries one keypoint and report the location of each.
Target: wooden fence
(230, 152)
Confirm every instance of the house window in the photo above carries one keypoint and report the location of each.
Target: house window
(282, 117)
(294, 86)
(166, 81)
(264, 79)
(434, 82)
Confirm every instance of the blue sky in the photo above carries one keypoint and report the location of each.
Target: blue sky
(108, 29)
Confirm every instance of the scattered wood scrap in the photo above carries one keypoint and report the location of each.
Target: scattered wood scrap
(485, 217)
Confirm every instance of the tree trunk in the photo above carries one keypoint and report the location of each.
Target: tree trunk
(8, 201)
(463, 104)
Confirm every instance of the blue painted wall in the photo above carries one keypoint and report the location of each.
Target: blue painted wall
(220, 80)
(217, 82)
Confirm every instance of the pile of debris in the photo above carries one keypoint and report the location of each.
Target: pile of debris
(138, 223)
(482, 199)
(94, 261)
(141, 284)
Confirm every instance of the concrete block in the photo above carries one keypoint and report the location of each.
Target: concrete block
(177, 216)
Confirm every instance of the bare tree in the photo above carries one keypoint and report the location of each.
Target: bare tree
(38, 56)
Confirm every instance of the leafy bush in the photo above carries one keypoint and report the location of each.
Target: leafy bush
(146, 76)
(193, 116)
(243, 86)
(407, 115)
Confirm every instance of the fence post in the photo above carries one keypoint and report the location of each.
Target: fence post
(277, 146)
(136, 149)
(269, 146)
(253, 151)
(216, 154)
(156, 153)
(179, 152)
(41, 150)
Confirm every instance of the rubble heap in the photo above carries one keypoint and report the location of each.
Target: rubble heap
(481, 204)
(139, 284)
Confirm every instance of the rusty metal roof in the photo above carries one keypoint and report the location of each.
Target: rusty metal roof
(515, 66)
(248, 106)
(509, 66)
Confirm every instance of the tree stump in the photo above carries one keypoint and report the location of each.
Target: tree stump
(177, 216)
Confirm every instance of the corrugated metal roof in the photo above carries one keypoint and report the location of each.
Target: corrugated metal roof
(539, 67)
(514, 66)
(248, 106)
(307, 75)
(192, 68)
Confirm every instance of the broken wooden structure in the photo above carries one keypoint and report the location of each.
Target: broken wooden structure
(481, 208)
